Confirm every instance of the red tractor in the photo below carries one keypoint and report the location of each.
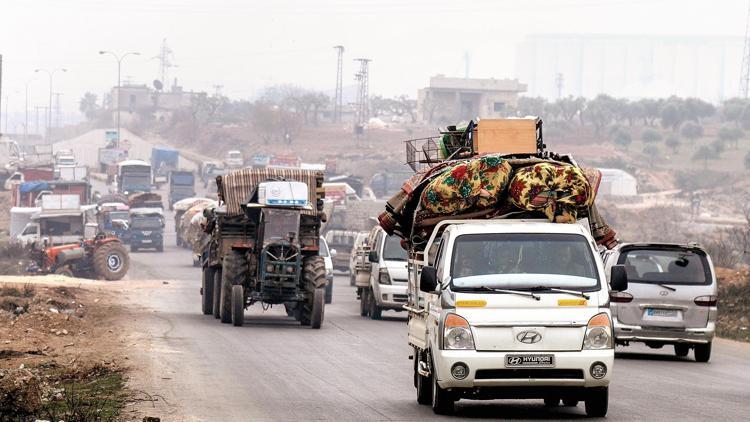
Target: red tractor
(101, 257)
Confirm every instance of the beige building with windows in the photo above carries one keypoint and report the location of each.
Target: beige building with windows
(451, 100)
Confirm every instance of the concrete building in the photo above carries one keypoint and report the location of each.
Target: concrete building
(451, 100)
(616, 182)
(142, 98)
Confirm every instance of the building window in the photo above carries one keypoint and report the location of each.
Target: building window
(498, 106)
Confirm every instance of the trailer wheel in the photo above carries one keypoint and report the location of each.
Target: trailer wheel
(207, 291)
(234, 271)
(238, 305)
(110, 261)
(217, 293)
(314, 280)
(65, 270)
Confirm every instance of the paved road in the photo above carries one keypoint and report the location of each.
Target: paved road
(355, 369)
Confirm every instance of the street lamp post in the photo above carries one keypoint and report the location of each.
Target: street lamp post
(119, 66)
(49, 110)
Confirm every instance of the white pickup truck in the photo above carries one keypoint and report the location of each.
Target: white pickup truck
(511, 309)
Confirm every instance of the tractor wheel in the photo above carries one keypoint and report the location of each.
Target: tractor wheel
(314, 279)
(217, 293)
(238, 305)
(111, 261)
(65, 270)
(234, 272)
(207, 291)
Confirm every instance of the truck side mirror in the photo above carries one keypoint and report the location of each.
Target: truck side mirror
(618, 279)
(428, 279)
(372, 256)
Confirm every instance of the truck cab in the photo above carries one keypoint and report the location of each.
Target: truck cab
(511, 309)
(233, 159)
(146, 229)
(387, 283)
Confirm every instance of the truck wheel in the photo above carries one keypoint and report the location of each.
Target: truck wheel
(234, 271)
(65, 270)
(217, 293)
(160, 248)
(289, 307)
(423, 384)
(352, 279)
(570, 402)
(681, 350)
(375, 311)
(329, 292)
(702, 352)
(207, 291)
(314, 279)
(110, 261)
(364, 302)
(597, 402)
(238, 305)
(442, 400)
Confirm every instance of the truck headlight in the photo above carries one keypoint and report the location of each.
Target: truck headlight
(457, 333)
(598, 333)
(384, 278)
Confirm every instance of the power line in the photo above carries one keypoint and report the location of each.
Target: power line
(363, 94)
(165, 62)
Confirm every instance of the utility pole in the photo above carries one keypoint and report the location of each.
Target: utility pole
(363, 94)
(165, 62)
(745, 71)
(559, 82)
(467, 64)
(57, 109)
(338, 96)
(50, 73)
(119, 68)
(1, 85)
(6, 113)
(26, 113)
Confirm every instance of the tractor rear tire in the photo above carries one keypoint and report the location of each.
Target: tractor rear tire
(207, 291)
(217, 293)
(111, 261)
(234, 272)
(238, 305)
(314, 279)
(65, 270)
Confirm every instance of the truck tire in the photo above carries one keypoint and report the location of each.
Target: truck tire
(238, 305)
(442, 400)
(329, 292)
(364, 302)
(423, 384)
(217, 293)
(352, 278)
(111, 261)
(234, 271)
(681, 350)
(160, 248)
(314, 280)
(289, 307)
(207, 291)
(702, 352)
(375, 311)
(65, 270)
(597, 402)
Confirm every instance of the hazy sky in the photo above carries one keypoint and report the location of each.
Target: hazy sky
(245, 45)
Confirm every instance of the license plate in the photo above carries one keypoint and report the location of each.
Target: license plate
(146, 241)
(664, 313)
(515, 361)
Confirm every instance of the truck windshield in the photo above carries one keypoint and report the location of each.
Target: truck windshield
(136, 180)
(146, 223)
(666, 266)
(118, 215)
(182, 179)
(392, 250)
(523, 261)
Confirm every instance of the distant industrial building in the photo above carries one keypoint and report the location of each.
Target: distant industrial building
(630, 66)
(451, 100)
(616, 182)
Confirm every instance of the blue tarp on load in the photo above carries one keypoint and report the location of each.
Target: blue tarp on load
(33, 186)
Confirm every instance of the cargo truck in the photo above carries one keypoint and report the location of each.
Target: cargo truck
(163, 160)
(133, 176)
(181, 186)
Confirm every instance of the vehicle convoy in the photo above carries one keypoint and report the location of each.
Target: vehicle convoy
(264, 245)
(671, 297)
(163, 161)
(507, 294)
(146, 222)
(99, 257)
(385, 288)
(133, 176)
(181, 186)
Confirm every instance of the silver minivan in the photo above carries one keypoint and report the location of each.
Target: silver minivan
(671, 297)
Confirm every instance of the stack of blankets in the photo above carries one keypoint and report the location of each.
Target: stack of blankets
(491, 186)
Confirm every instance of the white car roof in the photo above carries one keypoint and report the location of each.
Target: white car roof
(516, 226)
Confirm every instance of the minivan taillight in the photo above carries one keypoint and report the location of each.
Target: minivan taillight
(620, 297)
(706, 300)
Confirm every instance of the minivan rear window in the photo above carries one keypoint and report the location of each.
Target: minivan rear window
(666, 266)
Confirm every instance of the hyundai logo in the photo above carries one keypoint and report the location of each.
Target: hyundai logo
(529, 337)
(663, 292)
(514, 360)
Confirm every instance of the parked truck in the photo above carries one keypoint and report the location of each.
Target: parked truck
(181, 186)
(264, 245)
(163, 161)
(133, 176)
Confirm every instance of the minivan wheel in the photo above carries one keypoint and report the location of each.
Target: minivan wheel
(597, 402)
(702, 352)
(681, 350)
(442, 400)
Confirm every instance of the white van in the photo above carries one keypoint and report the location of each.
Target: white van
(388, 276)
(512, 309)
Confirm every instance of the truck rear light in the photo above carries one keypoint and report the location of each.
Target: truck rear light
(620, 297)
(706, 300)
